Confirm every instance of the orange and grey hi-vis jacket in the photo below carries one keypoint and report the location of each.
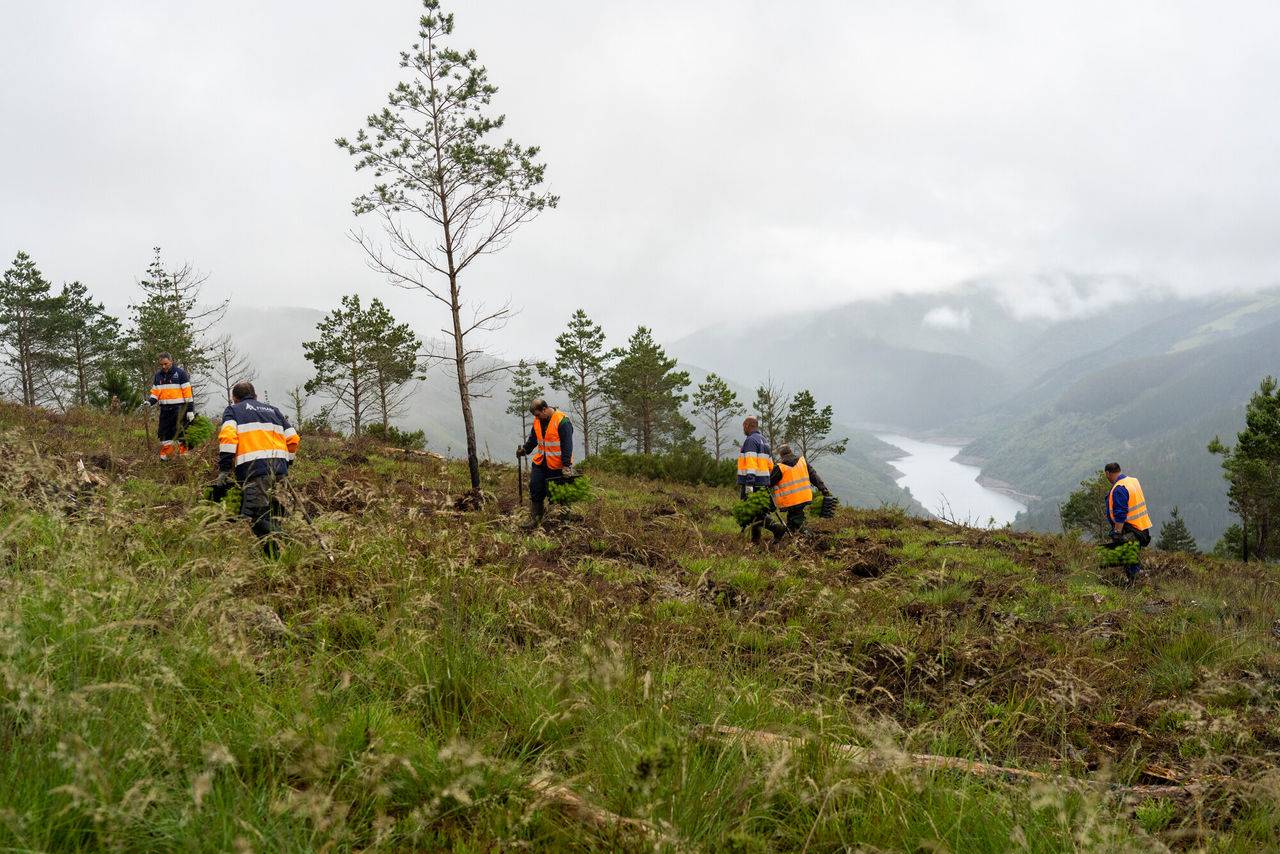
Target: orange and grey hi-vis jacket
(256, 439)
(171, 387)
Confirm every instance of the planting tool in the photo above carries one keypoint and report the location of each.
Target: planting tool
(520, 477)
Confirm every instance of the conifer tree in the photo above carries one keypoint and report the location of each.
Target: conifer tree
(363, 360)
(1252, 470)
(445, 194)
(717, 405)
(298, 405)
(172, 318)
(645, 393)
(395, 353)
(771, 408)
(29, 321)
(1085, 510)
(91, 340)
(808, 428)
(1174, 536)
(524, 389)
(580, 371)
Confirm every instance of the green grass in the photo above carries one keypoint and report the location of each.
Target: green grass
(163, 687)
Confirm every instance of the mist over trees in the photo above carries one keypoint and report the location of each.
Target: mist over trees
(444, 195)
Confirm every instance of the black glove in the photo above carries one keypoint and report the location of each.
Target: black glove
(520, 451)
(224, 479)
(191, 415)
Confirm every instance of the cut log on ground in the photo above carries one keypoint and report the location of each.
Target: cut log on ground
(925, 761)
(582, 810)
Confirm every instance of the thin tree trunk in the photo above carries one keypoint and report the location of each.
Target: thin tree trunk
(464, 394)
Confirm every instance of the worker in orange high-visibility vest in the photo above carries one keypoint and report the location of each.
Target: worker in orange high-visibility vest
(793, 483)
(1128, 514)
(551, 443)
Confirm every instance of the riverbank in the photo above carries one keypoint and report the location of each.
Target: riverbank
(947, 488)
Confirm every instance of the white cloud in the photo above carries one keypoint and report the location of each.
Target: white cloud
(711, 157)
(946, 317)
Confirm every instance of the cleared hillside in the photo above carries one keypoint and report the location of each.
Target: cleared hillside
(410, 676)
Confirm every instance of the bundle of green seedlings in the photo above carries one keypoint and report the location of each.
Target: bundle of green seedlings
(1122, 555)
(754, 507)
(567, 492)
(199, 432)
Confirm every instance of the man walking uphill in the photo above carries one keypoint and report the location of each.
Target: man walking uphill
(754, 466)
(171, 391)
(1127, 512)
(793, 482)
(551, 441)
(257, 442)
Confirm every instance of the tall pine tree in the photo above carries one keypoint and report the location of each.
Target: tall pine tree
(808, 428)
(524, 389)
(30, 315)
(717, 405)
(173, 318)
(1252, 470)
(446, 194)
(92, 344)
(645, 393)
(580, 371)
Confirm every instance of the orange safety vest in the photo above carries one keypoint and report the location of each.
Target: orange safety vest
(1138, 516)
(794, 488)
(549, 442)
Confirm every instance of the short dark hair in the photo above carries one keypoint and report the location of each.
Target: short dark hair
(1111, 468)
(538, 404)
(242, 390)
(163, 356)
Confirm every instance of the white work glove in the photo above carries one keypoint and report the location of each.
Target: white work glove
(568, 471)
(191, 415)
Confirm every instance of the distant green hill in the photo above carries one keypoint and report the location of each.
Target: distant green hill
(1151, 400)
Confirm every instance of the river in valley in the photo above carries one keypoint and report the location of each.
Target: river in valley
(946, 487)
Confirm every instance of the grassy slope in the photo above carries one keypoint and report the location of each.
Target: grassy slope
(162, 687)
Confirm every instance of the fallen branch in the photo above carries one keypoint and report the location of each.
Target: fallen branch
(588, 813)
(926, 761)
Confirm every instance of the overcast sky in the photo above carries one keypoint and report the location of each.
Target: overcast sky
(715, 160)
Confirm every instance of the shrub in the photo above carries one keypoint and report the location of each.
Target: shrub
(686, 463)
(397, 438)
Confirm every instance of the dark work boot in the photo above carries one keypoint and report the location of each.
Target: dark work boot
(536, 511)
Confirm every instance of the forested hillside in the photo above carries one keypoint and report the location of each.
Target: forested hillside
(1046, 400)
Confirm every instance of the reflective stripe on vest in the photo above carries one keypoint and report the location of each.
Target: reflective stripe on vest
(549, 442)
(754, 463)
(1137, 516)
(794, 488)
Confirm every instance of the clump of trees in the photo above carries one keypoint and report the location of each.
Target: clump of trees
(364, 363)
